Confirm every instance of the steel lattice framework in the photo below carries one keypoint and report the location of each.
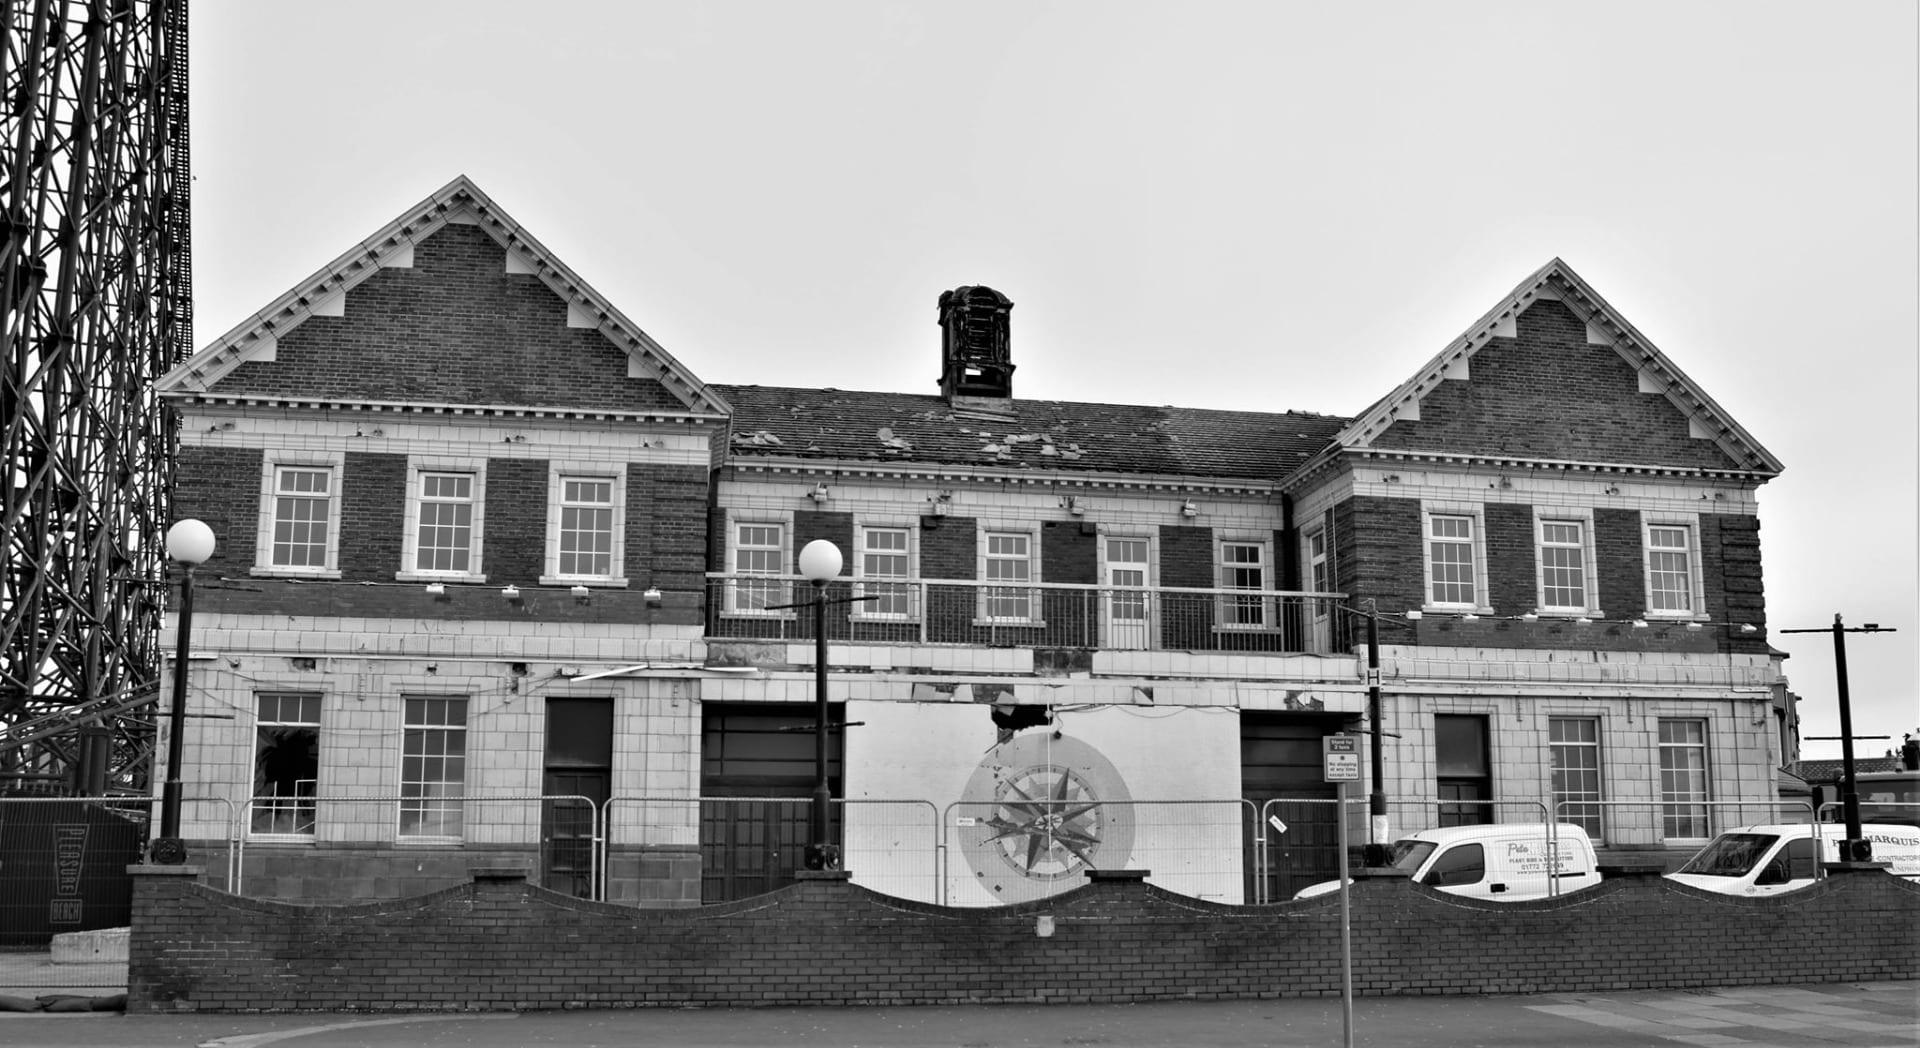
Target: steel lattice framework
(95, 304)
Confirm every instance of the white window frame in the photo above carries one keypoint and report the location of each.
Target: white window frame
(1595, 820)
(907, 584)
(294, 806)
(1589, 605)
(334, 463)
(1696, 575)
(558, 474)
(1269, 618)
(983, 605)
(1705, 798)
(417, 469)
(434, 806)
(1149, 593)
(780, 582)
(1477, 542)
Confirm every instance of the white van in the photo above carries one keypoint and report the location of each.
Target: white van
(1504, 862)
(1768, 860)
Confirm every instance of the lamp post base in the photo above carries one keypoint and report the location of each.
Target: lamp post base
(167, 851)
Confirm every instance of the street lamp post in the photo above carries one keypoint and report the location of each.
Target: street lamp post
(1856, 848)
(189, 542)
(820, 563)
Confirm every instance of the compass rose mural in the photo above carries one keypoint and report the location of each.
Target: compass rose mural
(1041, 809)
(1020, 813)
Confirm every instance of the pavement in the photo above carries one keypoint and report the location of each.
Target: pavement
(1825, 1015)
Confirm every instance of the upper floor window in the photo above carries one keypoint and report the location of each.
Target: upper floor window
(446, 509)
(1009, 561)
(1244, 565)
(1318, 578)
(299, 531)
(586, 539)
(883, 568)
(1450, 559)
(757, 548)
(1563, 549)
(1673, 569)
(302, 516)
(446, 523)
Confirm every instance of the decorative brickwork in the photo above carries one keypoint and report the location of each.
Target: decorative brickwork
(499, 944)
(454, 328)
(1549, 394)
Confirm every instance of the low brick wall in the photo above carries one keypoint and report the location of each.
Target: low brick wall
(499, 943)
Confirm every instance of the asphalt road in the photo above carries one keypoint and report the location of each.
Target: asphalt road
(1829, 1015)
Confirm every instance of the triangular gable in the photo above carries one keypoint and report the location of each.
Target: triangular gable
(1706, 420)
(324, 294)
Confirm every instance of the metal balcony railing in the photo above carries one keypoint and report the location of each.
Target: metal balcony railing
(969, 612)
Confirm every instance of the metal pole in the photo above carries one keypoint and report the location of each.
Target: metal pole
(1377, 795)
(177, 718)
(817, 852)
(1346, 923)
(1854, 848)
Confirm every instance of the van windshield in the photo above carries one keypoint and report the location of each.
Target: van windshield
(1409, 854)
(1730, 855)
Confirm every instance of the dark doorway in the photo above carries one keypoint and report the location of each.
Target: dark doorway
(1280, 761)
(750, 847)
(579, 764)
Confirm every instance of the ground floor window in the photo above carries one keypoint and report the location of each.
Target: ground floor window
(1683, 779)
(286, 762)
(1575, 743)
(433, 767)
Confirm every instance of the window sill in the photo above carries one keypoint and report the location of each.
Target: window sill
(1458, 609)
(749, 613)
(438, 576)
(1676, 616)
(592, 581)
(1025, 624)
(295, 573)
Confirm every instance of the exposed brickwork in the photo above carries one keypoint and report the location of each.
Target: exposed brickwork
(1622, 562)
(1186, 556)
(1730, 551)
(500, 944)
(1381, 552)
(1069, 553)
(456, 328)
(1548, 394)
(221, 486)
(373, 514)
(667, 527)
(1512, 574)
(836, 528)
(947, 551)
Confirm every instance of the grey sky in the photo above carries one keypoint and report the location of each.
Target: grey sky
(1261, 206)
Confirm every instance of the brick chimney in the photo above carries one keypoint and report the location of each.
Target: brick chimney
(973, 344)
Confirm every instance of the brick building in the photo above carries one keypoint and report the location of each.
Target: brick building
(502, 580)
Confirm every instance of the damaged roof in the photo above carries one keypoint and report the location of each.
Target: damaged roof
(1053, 435)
